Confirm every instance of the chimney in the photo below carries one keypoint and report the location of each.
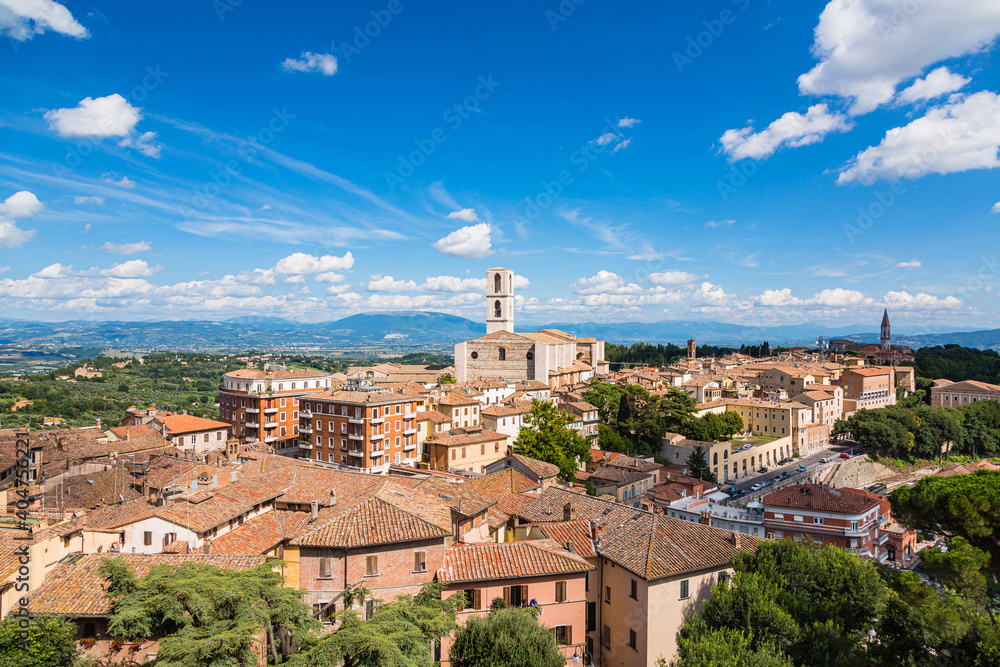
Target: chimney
(313, 510)
(595, 531)
(333, 498)
(735, 539)
(127, 435)
(207, 547)
(569, 546)
(568, 512)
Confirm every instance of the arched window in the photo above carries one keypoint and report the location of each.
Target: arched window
(502, 354)
(497, 284)
(497, 309)
(715, 459)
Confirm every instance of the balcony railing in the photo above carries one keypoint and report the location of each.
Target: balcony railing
(307, 414)
(271, 438)
(305, 445)
(270, 424)
(253, 424)
(377, 420)
(409, 431)
(253, 410)
(305, 429)
(356, 420)
(356, 436)
(376, 436)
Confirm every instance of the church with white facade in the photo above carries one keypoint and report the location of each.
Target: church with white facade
(550, 356)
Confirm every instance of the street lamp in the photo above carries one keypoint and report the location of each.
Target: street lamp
(588, 658)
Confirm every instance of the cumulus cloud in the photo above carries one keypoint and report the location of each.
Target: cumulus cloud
(668, 278)
(101, 118)
(453, 284)
(127, 248)
(323, 63)
(866, 48)
(911, 264)
(123, 182)
(996, 208)
(708, 294)
(905, 301)
(792, 129)
(379, 283)
(716, 224)
(472, 242)
(605, 282)
(21, 204)
(616, 138)
(84, 200)
(957, 136)
(23, 19)
(940, 81)
(465, 215)
(830, 298)
(133, 268)
(628, 122)
(301, 263)
(779, 297)
(329, 277)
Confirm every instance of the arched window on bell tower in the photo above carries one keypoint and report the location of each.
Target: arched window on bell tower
(497, 308)
(497, 284)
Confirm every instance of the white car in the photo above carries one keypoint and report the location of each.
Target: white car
(756, 487)
(825, 459)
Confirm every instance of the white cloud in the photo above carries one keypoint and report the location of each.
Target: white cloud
(940, 81)
(144, 143)
(605, 282)
(101, 117)
(716, 224)
(256, 277)
(123, 182)
(329, 277)
(133, 268)
(905, 301)
(83, 201)
(867, 47)
(339, 289)
(607, 138)
(672, 278)
(303, 263)
(379, 283)
(792, 129)
(453, 284)
(837, 298)
(12, 236)
(911, 264)
(21, 204)
(56, 270)
(472, 242)
(628, 122)
(709, 295)
(465, 215)
(996, 208)
(780, 297)
(127, 248)
(311, 62)
(23, 19)
(960, 135)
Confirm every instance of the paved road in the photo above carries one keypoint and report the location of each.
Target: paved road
(811, 462)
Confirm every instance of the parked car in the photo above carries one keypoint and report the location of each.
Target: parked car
(731, 490)
(762, 469)
(802, 468)
(845, 455)
(757, 487)
(825, 459)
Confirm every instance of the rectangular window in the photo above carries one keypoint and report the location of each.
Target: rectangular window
(634, 592)
(325, 568)
(515, 596)
(420, 562)
(685, 589)
(147, 538)
(632, 641)
(606, 636)
(343, 428)
(607, 593)
(371, 566)
(560, 591)
(591, 617)
(818, 520)
(282, 402)
(473, 599)
(463, 452)
(563, 634)
(482, 449)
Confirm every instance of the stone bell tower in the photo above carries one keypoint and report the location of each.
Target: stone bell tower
(499, 300)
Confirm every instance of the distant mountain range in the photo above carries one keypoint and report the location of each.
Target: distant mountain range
(424, 330)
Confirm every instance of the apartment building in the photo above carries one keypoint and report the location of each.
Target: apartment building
(790, 379)
(191, 434)
(263, 405)
(867, 388)
(471, 449)
(827, 403)
(364, 430)
(846, 518)
(947, 393)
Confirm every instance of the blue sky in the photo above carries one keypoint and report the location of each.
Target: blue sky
(736, 160)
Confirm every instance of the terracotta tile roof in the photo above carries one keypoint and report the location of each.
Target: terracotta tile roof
(180, 424)
(432, 415)
(461, 498)
(461, 437)
(654, 546)
(140, 434)
(361, 397)
(260, 534)
(501, 482)
(503, 410)
(114, 516)
(619, 476)
(577, 532)
(531, 385)
(93, 490)
(540, 468)
(823, 499)
(375, 521)
(508, 560)
(74, 587)
(204, 510)
(455, 398)
(550, 506)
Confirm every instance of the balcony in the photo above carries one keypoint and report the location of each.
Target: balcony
(409, 431)
(253, 424)
(270, 411)
(253, 410)
(376, 436)
(377, 420)
(356, 420)
(270, 438)
(307, 414)
(410, 446)
(409, 415)
(304, 444)
(305, 429)
(270, 424)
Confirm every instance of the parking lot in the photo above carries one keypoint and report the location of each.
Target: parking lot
(806, 469)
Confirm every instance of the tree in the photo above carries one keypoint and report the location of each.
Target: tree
(611, 441)
(962, 568)
(401, 633)
(605, 397)
(697, 462)
(505, 638)
(207, 614)
(677, 408)
(841, 427)
(50, 642)
(546, 438)
(724, 647)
